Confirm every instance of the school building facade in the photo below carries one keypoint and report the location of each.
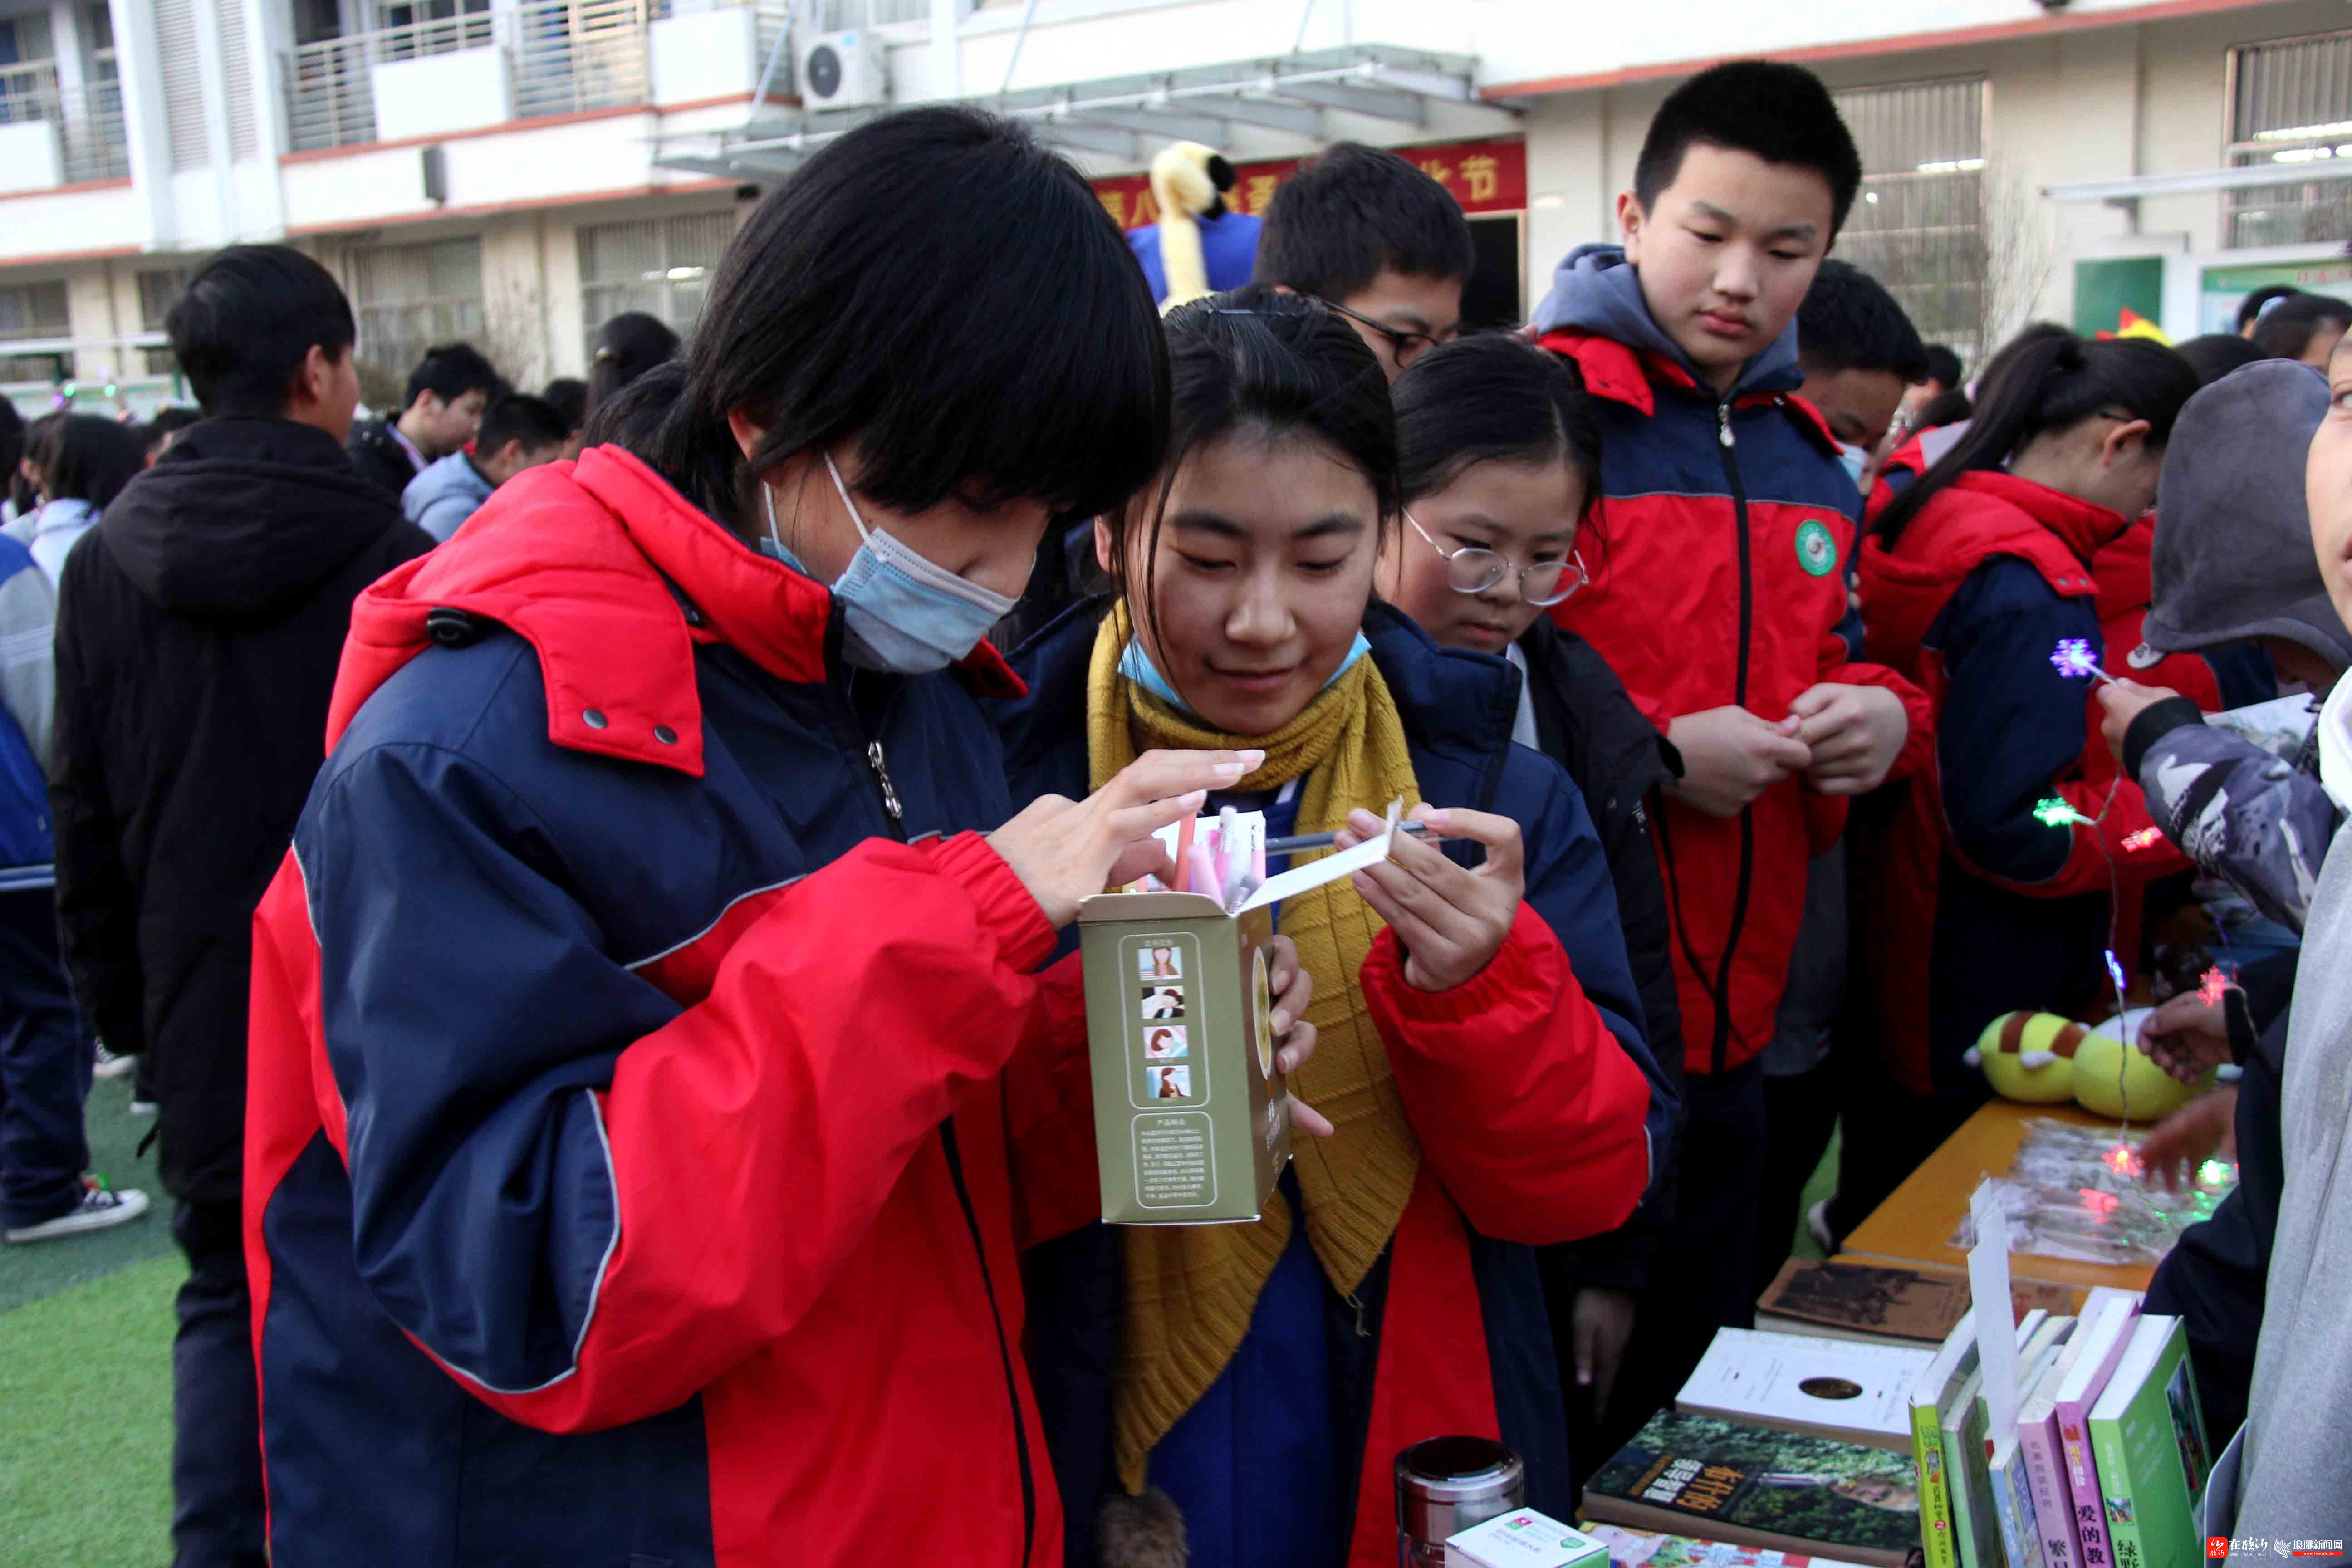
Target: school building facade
(515, 170)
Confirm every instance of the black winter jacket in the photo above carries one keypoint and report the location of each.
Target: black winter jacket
(1585, 723)
(196, 649)
(379, 457)
(2216, 1279)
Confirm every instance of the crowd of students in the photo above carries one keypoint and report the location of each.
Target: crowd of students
(649, 1118)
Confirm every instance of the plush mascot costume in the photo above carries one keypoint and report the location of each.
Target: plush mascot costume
(1199, 246)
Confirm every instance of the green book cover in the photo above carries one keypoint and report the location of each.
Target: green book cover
(2147, 1435)
(1938, 1391)
(1720, 1480)
(1976, 1533)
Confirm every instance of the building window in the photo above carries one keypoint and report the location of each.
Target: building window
(28, 71)
(1919, 224)
(411, 296)
(659, 265)
(159, 288)
(2290, 103)
(30, 312)
(431, 26)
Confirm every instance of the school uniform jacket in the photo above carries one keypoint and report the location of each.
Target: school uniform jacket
(1536, 1101)
(627, 1172)
(1728, 527)
(1974, 905)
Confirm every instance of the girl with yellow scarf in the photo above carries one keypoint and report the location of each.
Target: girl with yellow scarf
(1241, 1391)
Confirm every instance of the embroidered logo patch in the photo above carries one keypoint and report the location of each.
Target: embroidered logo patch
(1816, 551)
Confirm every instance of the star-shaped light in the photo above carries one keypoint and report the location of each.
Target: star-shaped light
(2211, 985)
(2143, 839)
(2074, 659)
(2052, 811)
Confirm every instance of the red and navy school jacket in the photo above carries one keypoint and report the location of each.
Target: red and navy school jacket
(1722, 578)
(639, 1031)
(1974, 906)
(1535, 1099)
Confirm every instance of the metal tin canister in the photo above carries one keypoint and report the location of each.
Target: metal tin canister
(1445, 1485)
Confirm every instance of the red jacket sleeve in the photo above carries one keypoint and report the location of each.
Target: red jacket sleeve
(1050, 1107)
(1528, 1109)
(784, 1107)
(1919, 752)
(587, 1188)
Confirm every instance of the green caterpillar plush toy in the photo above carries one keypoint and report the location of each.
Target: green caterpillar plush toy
(2042, 1058)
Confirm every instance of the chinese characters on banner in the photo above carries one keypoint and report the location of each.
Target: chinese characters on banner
(1483, 176)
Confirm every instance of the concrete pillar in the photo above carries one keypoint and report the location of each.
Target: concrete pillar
(144, 125)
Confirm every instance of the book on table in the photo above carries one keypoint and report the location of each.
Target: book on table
(1878, 1303)
(2109, 1336)
(2148, 1432)
(2012, 1496)
(1967, 1463)
(1842, 1389)
(1649, 1549)
(1755, 1487)
(1934, 1397)
(2098, 1339)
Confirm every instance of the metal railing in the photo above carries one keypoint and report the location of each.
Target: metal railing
(561, 57)
(573, 55)
(93, 144)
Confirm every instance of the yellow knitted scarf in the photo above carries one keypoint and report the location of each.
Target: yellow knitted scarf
(1190, 1289)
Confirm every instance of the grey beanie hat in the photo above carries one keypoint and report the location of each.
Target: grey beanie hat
(2234, 557)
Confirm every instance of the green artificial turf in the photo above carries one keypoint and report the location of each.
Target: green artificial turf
(1822, 1186)
(86, 1422)
(86, 1373)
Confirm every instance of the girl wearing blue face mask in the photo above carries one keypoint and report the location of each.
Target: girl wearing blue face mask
(1478, 1038)
(647, 1022)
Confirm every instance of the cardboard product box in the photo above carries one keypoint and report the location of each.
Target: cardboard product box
(1191, 1120)
(1524, 1539)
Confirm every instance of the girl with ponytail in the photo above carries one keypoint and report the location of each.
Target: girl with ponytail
(661, 948)
(1478, 1036)
(1979, 897)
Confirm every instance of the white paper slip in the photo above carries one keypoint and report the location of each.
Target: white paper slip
(1799, 1383)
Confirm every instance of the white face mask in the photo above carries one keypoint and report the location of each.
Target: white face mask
(901, 612)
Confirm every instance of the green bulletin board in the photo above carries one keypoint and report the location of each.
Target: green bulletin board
(2108, 286)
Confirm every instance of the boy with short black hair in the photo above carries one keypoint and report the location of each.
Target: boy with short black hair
(198, 630)
(1721, 602)
(2305, 328)
(439, 413)
(1377, 240)
(1860, 355)
(519, 431)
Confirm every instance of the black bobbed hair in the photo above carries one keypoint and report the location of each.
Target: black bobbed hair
(938, 289)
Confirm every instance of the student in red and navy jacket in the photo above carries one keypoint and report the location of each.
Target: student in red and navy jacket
(645, 1016)
(1721, 602)
(1970, 580)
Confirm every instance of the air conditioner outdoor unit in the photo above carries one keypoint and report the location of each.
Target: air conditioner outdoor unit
(844, 71)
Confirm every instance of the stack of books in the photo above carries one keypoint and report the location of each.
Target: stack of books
(1800, 1450)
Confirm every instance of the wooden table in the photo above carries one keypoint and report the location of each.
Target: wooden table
(1916, 1223)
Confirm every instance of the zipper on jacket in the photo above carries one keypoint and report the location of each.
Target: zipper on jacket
(879, 763)
(1004, 1346)
(874, 759)
(1721, 1048)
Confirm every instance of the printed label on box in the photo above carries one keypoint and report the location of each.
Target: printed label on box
(1176, 1160)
